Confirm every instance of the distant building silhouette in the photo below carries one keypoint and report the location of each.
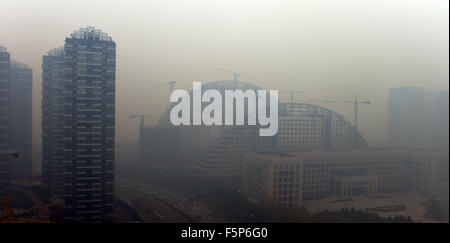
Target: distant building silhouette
(15, 119)
(418, 118)
(4, 120)
(159, 145)
(52, 121)
(20, 117)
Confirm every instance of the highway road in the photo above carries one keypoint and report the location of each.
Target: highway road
(151, 209)
(158, 204)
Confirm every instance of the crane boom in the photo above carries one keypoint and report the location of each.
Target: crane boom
(291, 92)
(235, 75)
(141, 116)
(355, 103)
(171, 84)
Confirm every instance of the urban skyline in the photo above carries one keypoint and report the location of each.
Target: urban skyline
(108, 125)
(78, 124)
(307, 48)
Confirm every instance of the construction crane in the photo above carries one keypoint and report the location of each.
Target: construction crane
(171, 85)
(141, 124)
(235, 75)
(291, 92)
(355, 103)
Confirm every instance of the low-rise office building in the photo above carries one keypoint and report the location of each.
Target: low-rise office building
(285, 179)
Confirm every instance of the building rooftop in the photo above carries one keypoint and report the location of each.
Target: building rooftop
(18, 64)
(56, 51)
(90, 33)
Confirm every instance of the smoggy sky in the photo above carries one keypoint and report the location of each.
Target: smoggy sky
(328, 49)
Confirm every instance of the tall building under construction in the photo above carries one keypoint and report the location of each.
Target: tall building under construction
(5, 175)
(20, 117)
(79, 125)
(52, 121)
(15, 120)
(216, 152)
(89, 125)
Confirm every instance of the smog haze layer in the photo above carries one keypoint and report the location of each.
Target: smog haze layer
(328, 49)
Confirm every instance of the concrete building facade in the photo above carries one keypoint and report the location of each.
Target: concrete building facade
(89, 126)
(285, 179)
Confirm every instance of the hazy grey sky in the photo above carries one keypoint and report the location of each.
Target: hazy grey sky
(329, 49)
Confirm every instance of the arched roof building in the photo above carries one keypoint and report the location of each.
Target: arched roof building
(217, 151)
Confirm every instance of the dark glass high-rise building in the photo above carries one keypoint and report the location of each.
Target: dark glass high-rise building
(4, 121)
(20, 112)
(89, 126)
(52, 123)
